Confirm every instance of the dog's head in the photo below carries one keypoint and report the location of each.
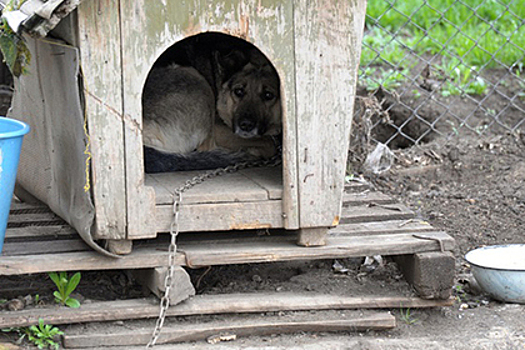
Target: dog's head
(249, 99)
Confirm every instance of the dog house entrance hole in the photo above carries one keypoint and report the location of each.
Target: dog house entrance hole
(255, 189)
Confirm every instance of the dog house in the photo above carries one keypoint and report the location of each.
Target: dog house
(82, 98)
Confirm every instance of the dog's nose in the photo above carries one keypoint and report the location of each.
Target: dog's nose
(246, 125)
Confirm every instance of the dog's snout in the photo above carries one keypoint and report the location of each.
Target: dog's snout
(247, 125)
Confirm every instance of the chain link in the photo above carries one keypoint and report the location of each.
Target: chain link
(174, 228)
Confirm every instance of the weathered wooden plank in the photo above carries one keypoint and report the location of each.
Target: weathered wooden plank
(336, 247)
(193, 332)
(271, 179)
(82, 261)
(40, 233)
(366, 197)
(201, 254)
(210, 304)
(17, 205)
(226, 188)
(140, 198)
(34, 218)
(44, 247)
(327, 41)
(380, 227)
(366, 213)
(356, 186)
(101, 64)
(222, 216)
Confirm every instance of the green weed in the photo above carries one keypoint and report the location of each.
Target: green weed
(43, 335)
(65, 286)
(461, 79)
(388, 79)
(407, 317)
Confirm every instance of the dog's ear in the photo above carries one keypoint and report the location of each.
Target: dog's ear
(227, 63)
(257, 58)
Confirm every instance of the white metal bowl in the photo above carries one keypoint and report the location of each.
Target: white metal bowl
(500, 271)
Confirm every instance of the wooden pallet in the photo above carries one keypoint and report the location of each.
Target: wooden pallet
(38, 241)
(371, 224)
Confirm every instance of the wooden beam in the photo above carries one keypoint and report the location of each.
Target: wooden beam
(367, 213)
(40, 232)
(209, 305)
(193, 332)
(336, 247)
(82, 261)
(201, 254)
(44, 217)
(155, 280)
(312, 236)
(44, 247)
(366, 197)
(382, 227)
(223, 216)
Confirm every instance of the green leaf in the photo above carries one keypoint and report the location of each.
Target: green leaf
(58, 297)
(54, 277)
(73, 283)
(16, 54)
(73, 303)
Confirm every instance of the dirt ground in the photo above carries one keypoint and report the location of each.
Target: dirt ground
(469, 186)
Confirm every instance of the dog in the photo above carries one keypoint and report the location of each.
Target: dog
(222, 108)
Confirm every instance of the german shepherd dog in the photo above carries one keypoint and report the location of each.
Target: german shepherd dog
(219, 107)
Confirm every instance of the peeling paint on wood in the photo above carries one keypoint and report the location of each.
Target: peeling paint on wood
(100, 57)
(314, 46)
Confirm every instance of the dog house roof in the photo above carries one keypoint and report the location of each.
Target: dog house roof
(37, 17)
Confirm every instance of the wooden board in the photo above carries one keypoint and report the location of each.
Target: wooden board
(366, 197)
(327, 41)
(336, 247)
(223, 216)
(43, 218)
(271, 179)
(81, 261)
(40, 233)
(367, 213)
(208, 305)
(200, 254)
(44, 247)
(101, 65)
(234, 187)
(214, 330)
(382, 227)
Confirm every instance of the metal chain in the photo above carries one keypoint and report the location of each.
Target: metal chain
(174, 228)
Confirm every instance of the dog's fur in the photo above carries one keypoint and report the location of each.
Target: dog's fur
(211, 118)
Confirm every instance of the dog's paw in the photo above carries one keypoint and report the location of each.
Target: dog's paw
(265, 148)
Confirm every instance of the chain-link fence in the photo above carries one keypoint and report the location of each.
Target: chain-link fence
(432, 68)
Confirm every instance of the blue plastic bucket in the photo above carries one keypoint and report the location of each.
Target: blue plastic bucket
(11, 134)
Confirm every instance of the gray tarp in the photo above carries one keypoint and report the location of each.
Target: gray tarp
(53, 164)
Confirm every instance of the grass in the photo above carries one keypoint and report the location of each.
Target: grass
(477, 34)
(407, 317)
(459, 25)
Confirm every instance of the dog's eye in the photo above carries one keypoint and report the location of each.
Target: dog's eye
(239, 92)
(268, 96)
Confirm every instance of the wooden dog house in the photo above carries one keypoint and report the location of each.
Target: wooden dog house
(84, 88)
